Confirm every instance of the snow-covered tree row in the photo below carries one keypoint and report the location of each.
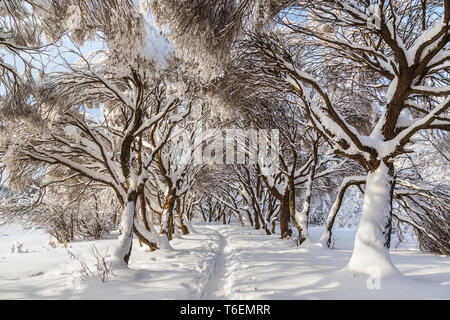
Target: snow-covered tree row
(352, 94)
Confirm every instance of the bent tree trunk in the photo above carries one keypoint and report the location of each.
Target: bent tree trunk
(325, 239)
(264, 224)
(182, 217)
(371, 251)
(152, 245)
(145, 236)
(257, 224)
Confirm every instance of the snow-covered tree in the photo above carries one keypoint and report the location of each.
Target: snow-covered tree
(339, 58)
(322, 82)
(128, 82)
(26, 33)
(384, 51)
(67, 209)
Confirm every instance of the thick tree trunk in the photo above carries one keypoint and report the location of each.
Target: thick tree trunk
(224, 218)
(371, 251)
(257, 224)
(167, 216)
(125, 240)
(285, 230)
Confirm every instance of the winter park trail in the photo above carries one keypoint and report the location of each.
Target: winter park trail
(214, 287)
(215, 262)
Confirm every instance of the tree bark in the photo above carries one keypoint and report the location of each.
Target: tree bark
(285, 230)
(292, 211)
(167, 216)
(224, 218)
(180, 211)
(257, 224)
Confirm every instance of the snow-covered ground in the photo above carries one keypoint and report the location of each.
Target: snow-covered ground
(215, 262)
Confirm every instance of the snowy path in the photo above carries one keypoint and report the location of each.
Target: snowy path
(214, 287)
(215, 262)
